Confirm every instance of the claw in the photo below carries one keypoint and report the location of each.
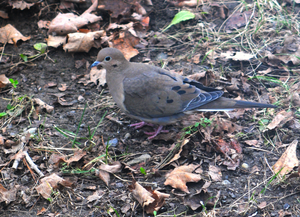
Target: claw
(151, 134)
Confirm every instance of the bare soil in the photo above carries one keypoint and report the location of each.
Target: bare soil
(240, 189)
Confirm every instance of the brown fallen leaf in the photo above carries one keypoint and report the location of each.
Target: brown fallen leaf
(43, 105)
(215, 173)
(3, 14)
(120, 7)
(237, 20)
(280, 119)
(20, 4)
(8, 34)
(63, 87)
(3, 81)
(104, 171)
(181, 175)
(63, 24)
(76, 157)
(43, 24)
(50, 183)
(95, 196)
(125, 43)
(253, 142)
(56, 41)
(8, 196)
(151, 200)
(288, 160)
(189, 3)
(196, 200)
(82, 42)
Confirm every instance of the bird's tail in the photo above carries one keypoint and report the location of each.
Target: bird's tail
(225, 104)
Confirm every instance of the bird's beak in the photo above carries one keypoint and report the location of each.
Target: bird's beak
(96, 63)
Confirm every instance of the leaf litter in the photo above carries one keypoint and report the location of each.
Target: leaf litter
(218, 139)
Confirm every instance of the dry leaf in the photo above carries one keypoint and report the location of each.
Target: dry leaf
(76, 157)
(237, 20)
(43, 24)
(215, 173)
(49, 183)
(63, 24)
(105, 169)
(63, 87)
(121, 7)
(43, 105)
(3, 14)
(3, 81)
(288, 160)
(56, 41)
(95, 196)
(20, 4)
(8, 34)
(7, 195)
(280, 119)
(82, 42)
(149, 199)
(181, 175)
(126, 44)
(253, 142)
(194, 201)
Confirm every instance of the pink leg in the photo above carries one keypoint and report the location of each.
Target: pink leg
(156, 132)
(151, 134)
(140, 125)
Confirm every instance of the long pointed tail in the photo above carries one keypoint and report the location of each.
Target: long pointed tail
(223, 104)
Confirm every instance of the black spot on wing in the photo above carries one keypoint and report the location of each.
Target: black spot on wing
(176, 88)
(180, 92)
(170, 100)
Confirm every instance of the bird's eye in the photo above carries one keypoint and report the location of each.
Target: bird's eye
(108, 58)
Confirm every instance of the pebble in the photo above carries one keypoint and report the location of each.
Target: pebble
(226, 182)
(245, 166)
(81, 99)
(161, 56)
(286, 206)
(112, 142)
(231, 194)
(127, 136)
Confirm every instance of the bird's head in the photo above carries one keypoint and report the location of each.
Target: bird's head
(110, 59)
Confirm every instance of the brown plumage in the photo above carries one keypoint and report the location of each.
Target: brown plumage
(158, 96)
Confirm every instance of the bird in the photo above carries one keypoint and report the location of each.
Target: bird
(158, 97)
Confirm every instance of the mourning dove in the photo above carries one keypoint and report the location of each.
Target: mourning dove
(157, 96)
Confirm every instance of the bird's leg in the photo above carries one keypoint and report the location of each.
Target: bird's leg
(140, 125)
(156, 132)
(151, 134)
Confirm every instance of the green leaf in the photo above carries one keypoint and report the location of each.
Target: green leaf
(2, 114)
(13, 82)
(143, 171)
(9, 107)
(24, 57)
(41, 47)
(179, 17)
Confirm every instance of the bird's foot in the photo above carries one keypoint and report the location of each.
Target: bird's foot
(156, 132)
(153, 134)
(140, 125)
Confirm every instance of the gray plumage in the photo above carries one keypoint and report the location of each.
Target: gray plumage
(155, 95)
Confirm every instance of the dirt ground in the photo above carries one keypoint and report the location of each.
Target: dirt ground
(245, 190)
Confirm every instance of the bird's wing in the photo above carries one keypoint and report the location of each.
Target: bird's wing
(159, 93)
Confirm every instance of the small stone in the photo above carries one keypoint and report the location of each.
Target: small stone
(245, 166)
(226, 182)
(112, 142)
(81, 99)
(286, 206)
(127, 136)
